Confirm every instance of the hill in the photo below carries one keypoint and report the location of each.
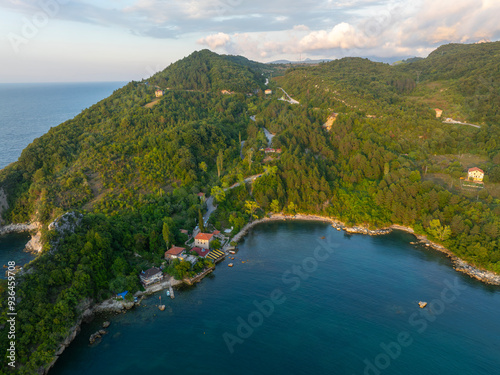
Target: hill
(130, 172)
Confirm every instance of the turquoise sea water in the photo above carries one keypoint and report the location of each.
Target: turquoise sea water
(342, 305)
(11, 250)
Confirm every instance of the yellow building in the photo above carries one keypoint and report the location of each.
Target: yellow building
(476, 174)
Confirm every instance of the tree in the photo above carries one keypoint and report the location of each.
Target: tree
(167, 236)
(249, 158)
(250, 208)
(215, 244)
(275, 206)
(292, 208)
(218, 193)
(203, 166)
(200, 221)
(220, 161)
(438, 231)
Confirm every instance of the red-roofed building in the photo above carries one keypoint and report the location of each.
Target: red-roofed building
(476, 174)
(174, 253)
(201, 252)
(201, 196)
(203, 240)
(216, 232)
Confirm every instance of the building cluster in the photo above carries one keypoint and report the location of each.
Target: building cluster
(202, 248)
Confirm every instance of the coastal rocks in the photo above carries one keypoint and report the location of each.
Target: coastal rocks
(362, 230)
(18, 228)
(35, 243)
(112, 305)
(106, 324)
(481, 275)
(97, 335)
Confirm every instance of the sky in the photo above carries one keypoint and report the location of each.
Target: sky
(123, 40)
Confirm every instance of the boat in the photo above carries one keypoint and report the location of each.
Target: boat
(168, 293)
(171, 292)
(230, 265)
(160, 306)
(422, 304)
(232, 252)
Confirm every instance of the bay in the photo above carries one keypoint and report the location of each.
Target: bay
(341, 304)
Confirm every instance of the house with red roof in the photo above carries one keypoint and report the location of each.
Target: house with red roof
(203, 240)
(476, 174)
(174, 252)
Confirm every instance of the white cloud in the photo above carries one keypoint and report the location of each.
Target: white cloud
(215, 40)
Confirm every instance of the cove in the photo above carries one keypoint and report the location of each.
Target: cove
(12, 249)
(344, 313)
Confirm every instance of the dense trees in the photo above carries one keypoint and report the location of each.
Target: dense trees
(134, 172)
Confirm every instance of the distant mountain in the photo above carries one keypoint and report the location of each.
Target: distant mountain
(306, 61)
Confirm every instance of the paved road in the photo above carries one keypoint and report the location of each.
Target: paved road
(210, 201)
(269, 136)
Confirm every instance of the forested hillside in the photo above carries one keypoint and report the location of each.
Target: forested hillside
(131, 167)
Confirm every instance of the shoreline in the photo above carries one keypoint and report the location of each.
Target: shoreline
(459, 265)
(111, 305)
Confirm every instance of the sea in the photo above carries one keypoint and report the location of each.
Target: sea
(301, 297)
(29, 110)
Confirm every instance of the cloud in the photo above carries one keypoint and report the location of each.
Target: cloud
(261, 28)
(215, 40)
(396, 28)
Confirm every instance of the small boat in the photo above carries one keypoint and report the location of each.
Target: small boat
(323, 237)
(232, 252)
(168, 293)
(422, 304)
(230, 265)
(161, 307)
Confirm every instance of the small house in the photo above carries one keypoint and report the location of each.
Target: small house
(268, 92)
(439, 112)
(269, 150)
(174, 252)
(201, 196)
(159, 93)
(151, 276)
(476, 174)
(203, 240)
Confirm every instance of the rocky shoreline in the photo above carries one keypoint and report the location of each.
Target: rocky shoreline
(111, 305)
(459, 264)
